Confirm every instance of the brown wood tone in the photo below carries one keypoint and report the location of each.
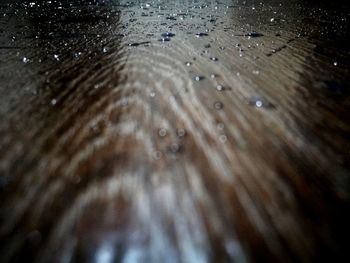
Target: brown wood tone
(224, 141)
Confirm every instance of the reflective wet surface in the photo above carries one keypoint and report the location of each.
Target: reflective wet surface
(174, 131)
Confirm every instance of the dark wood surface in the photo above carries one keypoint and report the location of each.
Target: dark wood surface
(231, 145)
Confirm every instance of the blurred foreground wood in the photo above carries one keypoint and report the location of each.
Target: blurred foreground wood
(228, 143)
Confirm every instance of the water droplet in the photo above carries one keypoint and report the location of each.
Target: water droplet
(53, 102)
(254, 34)
(220, 87)
(174, 148)
(335, 63)
(77, 54)
(199, 78)
(138, 44)
(214, 58)
(170, 18)
(201, 34)
(218, 105)
(167, 34)
(25, 60)
(56, 57)
(164, 39)
(157, 155)
(223, 138)
(221, 126)
(125, 101)
(188, 64)
(180, 132)
(162, 132)
(260, 103)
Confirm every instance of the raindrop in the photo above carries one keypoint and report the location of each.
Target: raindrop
(167, 34)
(180, 132)
(221, 126)
(220, 87)
(174, 148)
(223, 138)
(188, 64)
(199, 78)
(218, 105)
(77, 55)
(53, 102)
(25, 60)
(162, 132)
(201, 34)
(214, 59)
(125, 101)
(157, 155)
(254, 34)
(260, 103)
(138, 44)
(164, 39)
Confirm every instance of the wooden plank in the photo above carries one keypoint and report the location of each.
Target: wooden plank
(228, 140)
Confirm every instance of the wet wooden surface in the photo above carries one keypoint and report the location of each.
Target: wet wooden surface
(231, 145)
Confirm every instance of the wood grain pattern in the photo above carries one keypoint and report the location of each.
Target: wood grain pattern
(112, 151)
